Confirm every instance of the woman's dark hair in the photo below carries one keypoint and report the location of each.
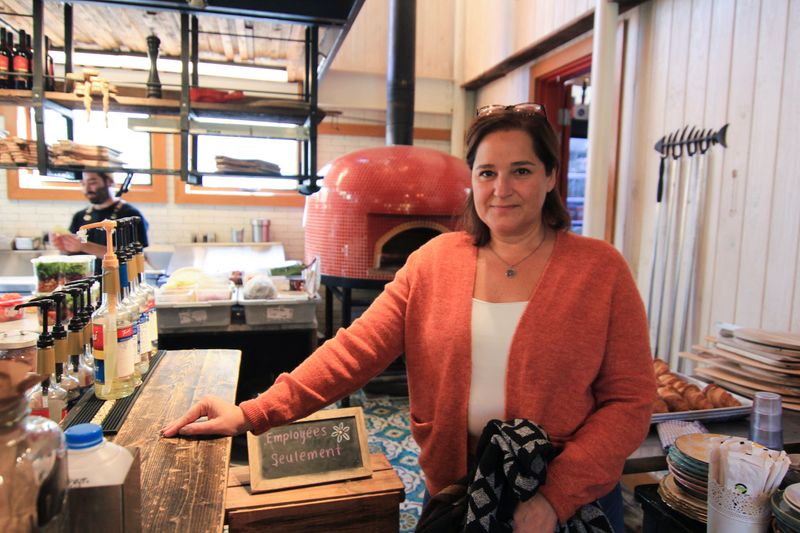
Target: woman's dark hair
(545, 145)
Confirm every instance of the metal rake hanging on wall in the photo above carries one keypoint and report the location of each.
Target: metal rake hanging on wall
(680, 201)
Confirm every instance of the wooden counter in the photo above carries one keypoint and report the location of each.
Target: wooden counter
(183, 480)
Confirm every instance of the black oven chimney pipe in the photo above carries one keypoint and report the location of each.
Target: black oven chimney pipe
(400, 72)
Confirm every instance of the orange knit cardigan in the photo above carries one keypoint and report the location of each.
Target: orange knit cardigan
(580, 364)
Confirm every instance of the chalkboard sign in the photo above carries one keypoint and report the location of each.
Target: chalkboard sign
(330, 445)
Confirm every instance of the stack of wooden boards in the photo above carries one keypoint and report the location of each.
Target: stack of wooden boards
(751, 360)
(256, 166)
(70, 154)
(17, 151)
(676, 394)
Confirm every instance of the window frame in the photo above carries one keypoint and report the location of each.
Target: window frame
(192, 194)
(56, 190)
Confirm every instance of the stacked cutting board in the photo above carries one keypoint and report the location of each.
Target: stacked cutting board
(748, 360)
(17, 151)
(70, 154)
(256, 166)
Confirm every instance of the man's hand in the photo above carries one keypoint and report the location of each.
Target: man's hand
(66, 242)
(535, 516)
(223, 419)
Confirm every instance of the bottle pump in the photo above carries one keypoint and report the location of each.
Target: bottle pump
(113, 368)
(75, 341)
(51, 401)
(67, 382)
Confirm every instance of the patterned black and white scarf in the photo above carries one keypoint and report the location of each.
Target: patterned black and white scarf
(511, 465)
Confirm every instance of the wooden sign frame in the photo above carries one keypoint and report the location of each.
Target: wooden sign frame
(259, 484)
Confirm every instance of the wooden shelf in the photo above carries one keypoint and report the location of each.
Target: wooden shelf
(251, 108)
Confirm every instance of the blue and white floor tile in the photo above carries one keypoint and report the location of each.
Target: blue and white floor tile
(389, 433)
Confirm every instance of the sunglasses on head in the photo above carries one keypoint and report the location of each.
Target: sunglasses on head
(528, 108)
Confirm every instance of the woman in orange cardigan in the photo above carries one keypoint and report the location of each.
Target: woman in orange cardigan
(513, 318)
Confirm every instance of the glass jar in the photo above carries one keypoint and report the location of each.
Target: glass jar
(19, 346)
(33, 463)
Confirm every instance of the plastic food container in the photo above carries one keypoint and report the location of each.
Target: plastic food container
(19, 346)
(210, 294)
(54, 270)
(66, 311)
(47, 270)
(75, 267)
(7, 304)
(172, 296)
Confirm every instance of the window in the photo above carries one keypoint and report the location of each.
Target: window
(283, 153)
(134, 147)
(139, 149)
(242, 190)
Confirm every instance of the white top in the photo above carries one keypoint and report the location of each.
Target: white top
(493, 327)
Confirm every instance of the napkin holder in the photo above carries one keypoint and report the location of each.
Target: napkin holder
(730, 510)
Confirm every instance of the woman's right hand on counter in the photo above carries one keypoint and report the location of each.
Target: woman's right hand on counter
(223, 419)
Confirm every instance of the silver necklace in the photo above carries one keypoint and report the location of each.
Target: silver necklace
(510, 272)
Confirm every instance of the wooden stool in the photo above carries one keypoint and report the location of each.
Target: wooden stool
(369, 504)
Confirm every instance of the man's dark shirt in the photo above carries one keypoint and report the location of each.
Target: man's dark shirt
(98, 236)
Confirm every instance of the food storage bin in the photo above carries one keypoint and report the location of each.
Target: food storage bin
(7, 304)
(286, 309)
(193, 314)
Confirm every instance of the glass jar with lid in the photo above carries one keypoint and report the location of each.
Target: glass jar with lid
(33, 463)
(18, 346)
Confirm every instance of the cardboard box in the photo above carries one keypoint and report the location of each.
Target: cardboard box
(112, 508)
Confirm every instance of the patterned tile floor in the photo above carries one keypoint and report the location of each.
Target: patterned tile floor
(389, 433)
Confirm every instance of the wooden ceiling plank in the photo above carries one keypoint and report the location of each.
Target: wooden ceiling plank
(137, 30)
(227, 42)
(94, 28)
(241, 40)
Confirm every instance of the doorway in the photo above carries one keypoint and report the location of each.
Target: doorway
(565, 92)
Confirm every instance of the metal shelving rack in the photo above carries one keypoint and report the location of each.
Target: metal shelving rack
(186, 110)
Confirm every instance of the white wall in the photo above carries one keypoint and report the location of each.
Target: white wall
(701, 63)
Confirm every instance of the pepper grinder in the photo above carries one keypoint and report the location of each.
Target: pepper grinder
(153, 82)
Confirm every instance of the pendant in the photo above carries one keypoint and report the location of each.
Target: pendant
(87, 218)
(510, 273)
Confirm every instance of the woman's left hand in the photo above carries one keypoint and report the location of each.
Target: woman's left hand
(535, 516)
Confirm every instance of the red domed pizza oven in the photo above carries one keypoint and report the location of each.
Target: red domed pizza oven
(378, 205)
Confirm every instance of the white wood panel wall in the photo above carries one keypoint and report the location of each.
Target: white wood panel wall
(706, 64)
(495, 29)
(689, 62)
(364, 49)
